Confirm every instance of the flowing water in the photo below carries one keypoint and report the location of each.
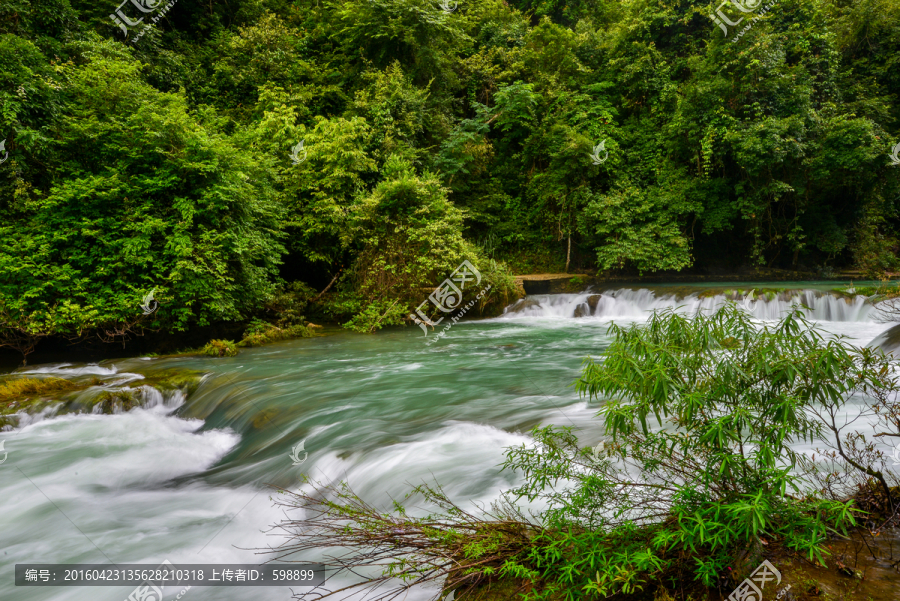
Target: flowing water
(187, 480)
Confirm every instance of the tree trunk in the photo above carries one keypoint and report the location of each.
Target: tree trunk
(569, 253)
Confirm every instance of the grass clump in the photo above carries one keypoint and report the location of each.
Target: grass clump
(260, 333)
(220, 348)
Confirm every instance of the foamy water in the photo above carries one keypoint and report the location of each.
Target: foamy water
(187, 481)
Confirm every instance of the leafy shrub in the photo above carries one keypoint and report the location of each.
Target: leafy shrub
(289, 303)
(376, 315)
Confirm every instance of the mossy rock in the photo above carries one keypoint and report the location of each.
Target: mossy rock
(185, 380)
(15, 387)
(108, 402)
(32, 395)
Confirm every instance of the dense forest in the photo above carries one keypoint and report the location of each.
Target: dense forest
(264, 159)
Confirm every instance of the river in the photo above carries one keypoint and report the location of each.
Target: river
(186, 481)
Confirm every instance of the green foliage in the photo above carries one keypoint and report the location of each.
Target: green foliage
(288, 304)
(220, 348)
(260, 333)
(165, 164)
(144, 195)
(702, 416)
(640, 228)
(410, 236)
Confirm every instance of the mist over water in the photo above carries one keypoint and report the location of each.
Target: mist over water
(186, 480)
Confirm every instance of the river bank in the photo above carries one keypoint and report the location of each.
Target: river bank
(149, 342)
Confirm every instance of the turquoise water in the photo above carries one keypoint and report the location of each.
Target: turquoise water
(187, 481)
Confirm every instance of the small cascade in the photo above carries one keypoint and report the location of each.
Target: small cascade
(627, 303)
(95, 390)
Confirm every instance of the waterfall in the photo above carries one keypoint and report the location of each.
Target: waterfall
(628, 303)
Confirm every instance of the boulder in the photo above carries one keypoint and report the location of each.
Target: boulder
(522, 304)
(888, 341)
(589, 307)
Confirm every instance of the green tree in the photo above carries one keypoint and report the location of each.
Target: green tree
(144, 195)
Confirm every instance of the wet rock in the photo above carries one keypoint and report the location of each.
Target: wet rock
(589, 307)
(888, 341)
(523, 304)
